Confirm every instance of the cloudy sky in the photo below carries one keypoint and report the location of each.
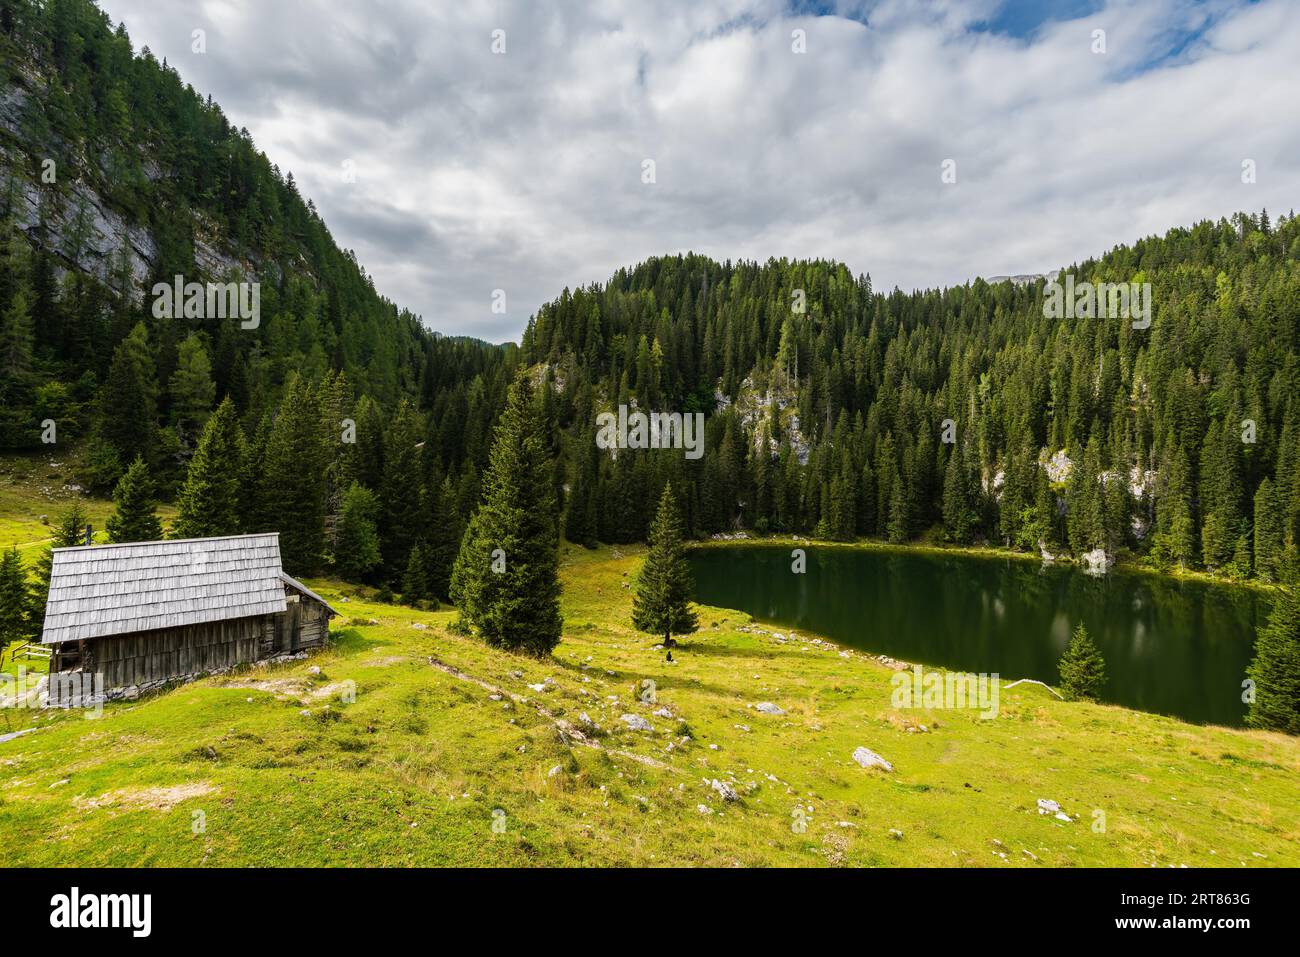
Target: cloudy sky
(524, 170)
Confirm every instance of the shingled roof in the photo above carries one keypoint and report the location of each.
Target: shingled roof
(103, 590)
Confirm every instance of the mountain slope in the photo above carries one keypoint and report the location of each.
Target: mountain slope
(115, 175)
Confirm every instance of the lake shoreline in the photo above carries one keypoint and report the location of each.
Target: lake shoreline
(1159, 633)
(1124, 564)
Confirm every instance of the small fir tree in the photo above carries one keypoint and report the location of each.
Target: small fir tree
(134, 518)
(662, 604)
(1083, 671)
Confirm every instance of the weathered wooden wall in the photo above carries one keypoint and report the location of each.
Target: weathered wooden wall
(313, 624)
(151, 656)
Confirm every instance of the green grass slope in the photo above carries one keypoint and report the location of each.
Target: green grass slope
(447, 753)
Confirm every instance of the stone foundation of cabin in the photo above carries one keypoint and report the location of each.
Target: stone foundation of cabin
(73, 693)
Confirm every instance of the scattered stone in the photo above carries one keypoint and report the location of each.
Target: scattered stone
(636, 722)
(896, 834)
(663, 713)
(869, 759)
(768, 708)
(554, 771)
(1051, 807)
(419, 626)
(725, 790)
(704, 809)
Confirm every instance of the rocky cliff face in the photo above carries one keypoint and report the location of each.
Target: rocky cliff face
(72, 218)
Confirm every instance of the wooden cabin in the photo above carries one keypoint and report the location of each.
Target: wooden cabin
(145, 614)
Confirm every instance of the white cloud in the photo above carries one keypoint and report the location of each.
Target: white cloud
(523, 171)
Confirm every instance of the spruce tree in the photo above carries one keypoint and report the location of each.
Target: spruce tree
(958, 511)
(400, 490)
(444, 536)
(844, 500)
(415, 580)
(898, 525)
(212, 500)
(580, 517)
(14, 599)
(191, 389)
(1275, 669)
(662, 603)
(292, 486)
(506, 578)
(1268, 532)
(1082, 669)
(16, 339)
(1086, 520)
(356, 545)
(1175, 536)
(134, 518)
(128, 412)
(1046, 522)
(69, 533)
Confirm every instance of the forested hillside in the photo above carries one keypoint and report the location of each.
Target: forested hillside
(115, 175)
(1179, 441)
(831, 409)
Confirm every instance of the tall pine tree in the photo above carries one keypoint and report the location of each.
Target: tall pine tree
(506, 577)
(211, 502)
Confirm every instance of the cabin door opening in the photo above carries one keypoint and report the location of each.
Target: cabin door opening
(292, 623)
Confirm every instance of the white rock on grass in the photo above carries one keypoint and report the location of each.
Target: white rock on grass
(636, 722)
(869, 759)
(1053, 808)
(725, 790)
(768, 708)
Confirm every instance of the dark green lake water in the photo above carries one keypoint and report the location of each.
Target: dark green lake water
(1173, 647)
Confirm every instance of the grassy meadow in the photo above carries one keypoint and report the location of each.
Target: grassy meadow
(412, 745)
